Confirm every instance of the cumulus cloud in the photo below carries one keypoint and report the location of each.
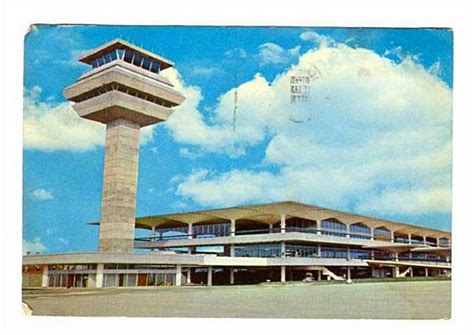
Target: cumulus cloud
(35, 246)
(51, 126)
(375, 134)
(314, 37)
(271, 53)
(41, 194)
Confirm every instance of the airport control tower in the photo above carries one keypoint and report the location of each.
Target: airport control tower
(125, 91)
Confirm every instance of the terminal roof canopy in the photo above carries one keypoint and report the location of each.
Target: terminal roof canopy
(271, 214)
(121, 44)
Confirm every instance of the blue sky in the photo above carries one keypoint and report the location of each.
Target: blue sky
(376, 136)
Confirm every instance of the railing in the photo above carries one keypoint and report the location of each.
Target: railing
(308, 230)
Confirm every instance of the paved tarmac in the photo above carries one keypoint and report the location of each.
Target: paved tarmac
(390, 300)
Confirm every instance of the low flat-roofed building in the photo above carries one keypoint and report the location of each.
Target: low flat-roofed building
(250, 244)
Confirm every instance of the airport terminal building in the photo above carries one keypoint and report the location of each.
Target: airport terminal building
(283, 241)
(251, 244)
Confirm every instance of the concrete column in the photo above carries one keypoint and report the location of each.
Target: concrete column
(178, 275)
(437, 242)
(283, 274)
(188, 277)
(348, 272)
(209, 276)
(411, 272)
(372, 254)
(190, 230)
(283, 223)
(319, 250)
(392, 236)
(409, 238)
(427, 273)
(348, 257)
(232, 227)
(232, 250)
(117, 217)
(318, 227)
(396, 272)
(371, 234)
(448, 259)
(320, 272)
(231, 276)
(395, 254)
(44, 276)
(424, 239)
(270, 228)
(99, 278)
(348, 231)
(153, 236)
(283, 249)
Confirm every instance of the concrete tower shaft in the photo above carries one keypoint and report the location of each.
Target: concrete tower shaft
(125, 91)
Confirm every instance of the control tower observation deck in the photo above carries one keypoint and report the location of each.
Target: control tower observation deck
(125, 91)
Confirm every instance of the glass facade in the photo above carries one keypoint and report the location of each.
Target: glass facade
(128, 56)
(258, 250)
(295, 250)
(211, 230)
(333, 227)
(333, 252)
(382, 233)
(360, 254)
(359, 230)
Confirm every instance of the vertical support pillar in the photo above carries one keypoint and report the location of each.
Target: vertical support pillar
(372, 254)
(411, 272)
(409, 238)
(231, 275)
(209, 276)
(283, 274)
(232, 250)
(371, 234)
(348, 256)
(44, 276)
(99, 278)
(427, 273)
(448, 259)
(320, 272)
(178, 275)
(319, 250)
(348, 273)
(318, 227)
(117, 216)
(153, 236)
(396, 272)
(270, 228)
(232, 227)
(283, 223)
(392, 236)
(348, 231)
(190, 230)
(437, 242)
(424, 239)
(283, 249)
(188, 277)
(395, 254)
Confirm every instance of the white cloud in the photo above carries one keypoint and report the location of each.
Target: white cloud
(51, 126)
(271, 53)
(41, 194)
(186, 153)
(205, 71)
(33, 247)
(373, 131)
(312, 36)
